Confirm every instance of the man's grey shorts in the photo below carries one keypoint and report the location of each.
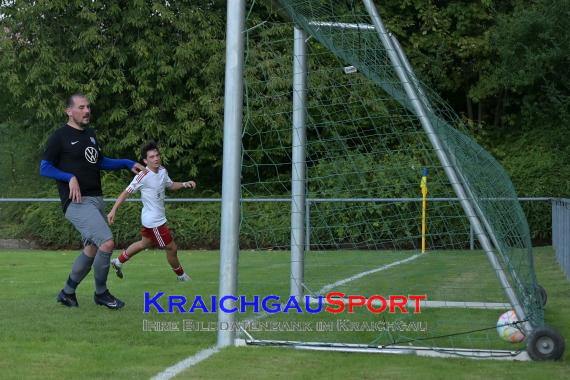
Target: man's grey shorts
(88, 217)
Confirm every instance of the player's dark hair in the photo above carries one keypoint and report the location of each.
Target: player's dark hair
(151, 145)
(70, 102)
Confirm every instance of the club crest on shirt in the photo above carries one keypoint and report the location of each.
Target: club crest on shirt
(93, 140)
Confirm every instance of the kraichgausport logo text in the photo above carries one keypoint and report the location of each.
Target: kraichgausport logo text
(336, 302)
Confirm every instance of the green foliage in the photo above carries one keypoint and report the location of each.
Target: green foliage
(382, 225)
(529, 84)
(152, 69)
(255, 219)
(444, 40)
(19, 162)
(510, 60)
(530, 52)
(195, 225)
(45, 224)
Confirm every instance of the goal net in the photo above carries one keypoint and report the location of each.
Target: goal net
(368, 127)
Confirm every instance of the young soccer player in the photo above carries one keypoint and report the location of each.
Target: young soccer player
(154, 231)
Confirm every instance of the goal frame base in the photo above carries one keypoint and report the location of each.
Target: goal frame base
(440, 352)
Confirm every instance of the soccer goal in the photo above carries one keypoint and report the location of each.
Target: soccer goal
(337, 134)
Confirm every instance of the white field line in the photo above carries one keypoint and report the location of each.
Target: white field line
(190, 361)
(326, 288)
(183, 365)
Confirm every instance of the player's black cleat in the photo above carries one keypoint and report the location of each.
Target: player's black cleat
(68, 300)
(116, 264)
(109, 300)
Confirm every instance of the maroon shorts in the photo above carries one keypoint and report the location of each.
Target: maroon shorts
(159, 235)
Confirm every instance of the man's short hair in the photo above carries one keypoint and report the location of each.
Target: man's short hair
(70, 102)
(151, 145)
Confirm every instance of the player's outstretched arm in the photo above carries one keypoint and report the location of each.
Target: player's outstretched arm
(111, 215)
(182, 185)
(107, 163)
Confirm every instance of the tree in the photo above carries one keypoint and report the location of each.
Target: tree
(530, 84)
(530, 73)
(152, 69)
(446, 43)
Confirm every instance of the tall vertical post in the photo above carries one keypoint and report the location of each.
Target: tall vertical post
(307, 225)
(299, 140)
(396, 58)
(233, 100)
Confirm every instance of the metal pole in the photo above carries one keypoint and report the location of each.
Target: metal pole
(299, 140)
(561, 233)
(418, 107)
(341, 25)
(553, 216)
(423, 98)
(307, 225)
(233, 99)
(480, 214)
(410, 72)
(564, 218)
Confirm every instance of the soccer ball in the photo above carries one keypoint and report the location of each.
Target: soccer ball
(507, 331)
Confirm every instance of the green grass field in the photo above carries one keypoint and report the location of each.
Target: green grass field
(43, 340)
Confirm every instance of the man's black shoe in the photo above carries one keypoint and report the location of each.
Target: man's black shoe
(68, 300)
(107, 299)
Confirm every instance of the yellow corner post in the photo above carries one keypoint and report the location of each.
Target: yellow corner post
(424, 206)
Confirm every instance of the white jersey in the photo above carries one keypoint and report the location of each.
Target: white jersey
(152, 187)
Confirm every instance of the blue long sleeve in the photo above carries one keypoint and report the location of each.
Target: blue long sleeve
(107, 163)
(48, 170)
